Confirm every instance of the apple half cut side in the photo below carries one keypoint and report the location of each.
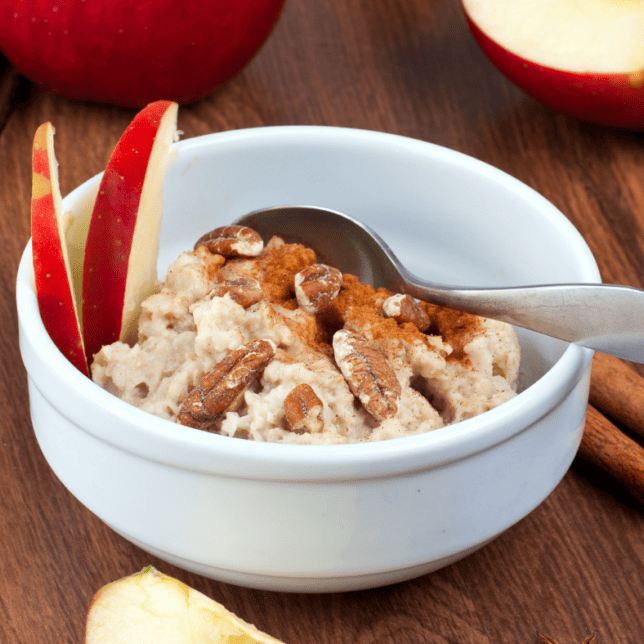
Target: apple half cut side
(52, 272)
(584, 60)
(119, 267)
(149, 607)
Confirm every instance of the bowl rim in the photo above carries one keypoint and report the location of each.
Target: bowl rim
(163, 441)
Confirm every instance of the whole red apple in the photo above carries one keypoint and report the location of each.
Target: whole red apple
(583, 59)
(133, 52)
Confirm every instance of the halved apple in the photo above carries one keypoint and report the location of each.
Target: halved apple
(152, 608)
(583, 59)
(52, 271)
(119, 267)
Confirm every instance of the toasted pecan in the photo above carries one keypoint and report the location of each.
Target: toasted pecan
(232, 241)
(316, 287)
(404, 308)
(222, 389)
(246, 291)
(368, 373)
(303, 410)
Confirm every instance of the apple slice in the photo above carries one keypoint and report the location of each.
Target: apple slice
(583, 59)
(149, 607)
(52, 272)
(119, 268)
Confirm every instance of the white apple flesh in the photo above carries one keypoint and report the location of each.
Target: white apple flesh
(52, 271)
(582, 59)
(152, 608)
(119, 267)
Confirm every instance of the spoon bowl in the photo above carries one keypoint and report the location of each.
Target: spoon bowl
(604, 317)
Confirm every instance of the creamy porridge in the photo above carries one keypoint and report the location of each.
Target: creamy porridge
(261, 342)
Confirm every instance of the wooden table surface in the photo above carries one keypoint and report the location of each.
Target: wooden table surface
(573, 566)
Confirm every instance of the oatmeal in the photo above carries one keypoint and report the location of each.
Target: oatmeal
(264, 343)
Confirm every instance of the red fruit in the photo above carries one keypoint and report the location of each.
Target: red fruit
(583, 59)
(52, 272)
(133, 52)
(119, 268)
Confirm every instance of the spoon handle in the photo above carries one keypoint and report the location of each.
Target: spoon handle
(603, 317)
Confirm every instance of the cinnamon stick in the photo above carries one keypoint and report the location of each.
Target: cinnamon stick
(617, 391)
(605, 446)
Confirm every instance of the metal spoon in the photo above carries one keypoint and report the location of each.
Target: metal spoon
(607, 318)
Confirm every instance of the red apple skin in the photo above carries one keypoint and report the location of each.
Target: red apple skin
(616, 100)
(108, 262)
(51, 271)
(129, 52)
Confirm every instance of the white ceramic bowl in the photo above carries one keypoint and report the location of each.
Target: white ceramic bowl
(341, 517)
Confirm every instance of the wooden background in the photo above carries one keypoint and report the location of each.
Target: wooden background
(410, 67)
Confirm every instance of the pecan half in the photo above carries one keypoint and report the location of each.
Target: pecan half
(232, 241)
(246, 291)
(222, 388)
(368, 373)
(303, 410)
(404, 308)
(316, 287)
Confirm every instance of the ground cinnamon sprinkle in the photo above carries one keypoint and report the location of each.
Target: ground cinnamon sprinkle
(356, 302)
(358, 305)
(361, 349)
(279, 263)
(455, 327)
(213, 263)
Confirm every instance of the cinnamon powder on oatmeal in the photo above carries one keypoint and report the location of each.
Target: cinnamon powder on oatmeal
(160, 371)
(279, 263)
(357, 306)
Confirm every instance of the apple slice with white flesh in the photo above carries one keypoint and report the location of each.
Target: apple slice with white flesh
(149, 607)
(52, 271)
(582, 59)
(119, 267)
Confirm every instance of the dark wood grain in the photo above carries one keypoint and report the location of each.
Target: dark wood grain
(572, 567)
